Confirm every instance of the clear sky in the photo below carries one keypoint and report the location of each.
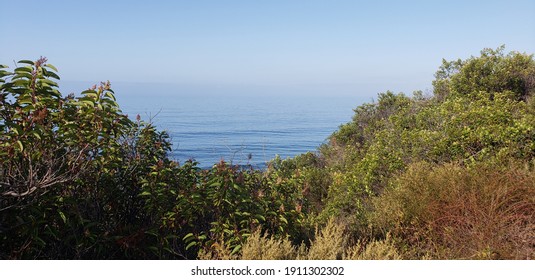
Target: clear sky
(337, 44)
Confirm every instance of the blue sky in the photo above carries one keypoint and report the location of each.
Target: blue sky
(332, 45)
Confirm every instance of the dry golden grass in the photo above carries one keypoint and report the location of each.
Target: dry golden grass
(329, 244)
(262, 247)
(375, 250)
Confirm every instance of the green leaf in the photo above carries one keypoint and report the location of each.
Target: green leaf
(21, 83)
(36, 135)
(17, 129)
(55, 92)
(26, 62)
(4, 73)
(51, 67)
(50, 74)
(26, 69)
(62, 215)
(92, 95)
(88, 102)
(192, 243)
(88, 91)
(21, 75)
(25, 100)
(236, 249)
(20, 145)
(49, 82)
(145, 193)
(187, 236)
(110, 95)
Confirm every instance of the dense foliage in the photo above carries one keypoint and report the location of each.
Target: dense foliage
(450, 175)
(78, 179)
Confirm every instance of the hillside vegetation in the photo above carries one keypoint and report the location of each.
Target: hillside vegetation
(448, 175)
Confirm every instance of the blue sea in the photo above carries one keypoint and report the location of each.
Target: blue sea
(240, 127)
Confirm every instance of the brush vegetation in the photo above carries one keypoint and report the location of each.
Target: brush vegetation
(444, 175)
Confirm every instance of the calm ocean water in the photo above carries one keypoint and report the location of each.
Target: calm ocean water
(241, 128)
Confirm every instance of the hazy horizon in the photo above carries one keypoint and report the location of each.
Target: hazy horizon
(327, 46)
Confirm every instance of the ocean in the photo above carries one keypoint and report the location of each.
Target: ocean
(240, 127)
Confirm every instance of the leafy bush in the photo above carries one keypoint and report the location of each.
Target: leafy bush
(491, 72)
(230, 203)
(55, 152)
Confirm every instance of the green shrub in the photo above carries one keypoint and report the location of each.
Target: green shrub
(51, 148)
(491, 72)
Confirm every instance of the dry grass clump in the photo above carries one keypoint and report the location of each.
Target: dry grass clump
(262, 247)
(452, 212)
(329, 244)
(384, 249)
